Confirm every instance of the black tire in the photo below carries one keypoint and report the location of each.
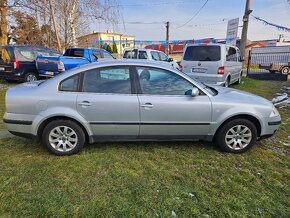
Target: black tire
(220, 137)
(285, 70)
(227, 82)
(29, 77)
(80, 137)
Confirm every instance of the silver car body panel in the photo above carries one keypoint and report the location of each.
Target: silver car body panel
(124, 116)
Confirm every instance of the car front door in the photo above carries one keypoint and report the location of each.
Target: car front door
(107, 103)
(167, 109)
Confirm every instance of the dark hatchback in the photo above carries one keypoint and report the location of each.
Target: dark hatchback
(17, 63)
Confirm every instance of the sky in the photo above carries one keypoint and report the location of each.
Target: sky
(211, 22)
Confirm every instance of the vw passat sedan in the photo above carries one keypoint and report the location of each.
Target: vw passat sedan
(135, 100)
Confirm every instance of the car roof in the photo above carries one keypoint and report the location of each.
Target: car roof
(211, 44)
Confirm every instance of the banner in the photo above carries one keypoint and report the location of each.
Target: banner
(281, 28)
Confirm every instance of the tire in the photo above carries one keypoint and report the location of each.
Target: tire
(227, 82)
(285, 70)
(30, 77)
(228, 141)
(63, 137)
(240, 79)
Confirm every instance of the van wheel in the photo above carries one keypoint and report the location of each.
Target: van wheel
(236, 136)
(63, 137)
(227, 82)
(285, 70)
(240, 79)
(30, 77)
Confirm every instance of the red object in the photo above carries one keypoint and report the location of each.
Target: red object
(60, 66)
(221, 70)
(16, 64)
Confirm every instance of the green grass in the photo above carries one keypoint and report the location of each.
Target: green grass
(148, 179)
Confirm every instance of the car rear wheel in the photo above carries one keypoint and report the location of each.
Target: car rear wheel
(227, 82)
(63, 137)
(30, 77)
(236, 136)
(285, 70)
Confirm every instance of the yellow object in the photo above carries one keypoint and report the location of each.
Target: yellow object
(5, 56)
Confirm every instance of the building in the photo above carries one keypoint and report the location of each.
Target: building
(99, 38)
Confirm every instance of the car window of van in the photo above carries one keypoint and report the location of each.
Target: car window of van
(163, 56)
(127, 55)
(202, 53)
(155, 55)
(107, 55)
(142, 55)
(107, 80)
(24, 54)
(6, 55)
(231, 54)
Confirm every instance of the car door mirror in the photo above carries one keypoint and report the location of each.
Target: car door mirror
(192, 92)
(169, 59)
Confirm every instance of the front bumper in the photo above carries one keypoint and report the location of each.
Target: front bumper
(270, 126)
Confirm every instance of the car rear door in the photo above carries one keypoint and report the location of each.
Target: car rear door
(165, 109)
(108, 103)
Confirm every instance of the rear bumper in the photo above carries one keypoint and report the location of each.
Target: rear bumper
(11, 75)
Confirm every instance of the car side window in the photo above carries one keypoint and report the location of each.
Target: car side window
(155, 55)
(163, 56)
(97, 54)
(127, 55)
(154, 81)
(107, 80)
(70, 84)
(142, 55)
(231, 54)
(107, 55)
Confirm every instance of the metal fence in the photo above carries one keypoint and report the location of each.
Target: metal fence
(268, 66)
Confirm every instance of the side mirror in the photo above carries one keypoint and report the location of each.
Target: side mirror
(169, 59)
(192, 92)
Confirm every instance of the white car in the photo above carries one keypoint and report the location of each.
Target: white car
(149, 54)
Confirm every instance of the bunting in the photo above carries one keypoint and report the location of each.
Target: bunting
(281, 28)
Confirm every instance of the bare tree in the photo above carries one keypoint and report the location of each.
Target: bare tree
(3, 22)
(54, 24)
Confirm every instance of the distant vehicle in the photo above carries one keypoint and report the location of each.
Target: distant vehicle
(17, 62)
(272, 58)
(149, 54)
(49, 66)
(134, 101)
(218, 64)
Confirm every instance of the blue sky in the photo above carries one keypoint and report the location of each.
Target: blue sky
(210, 22)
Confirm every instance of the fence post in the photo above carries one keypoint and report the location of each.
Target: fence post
(249, 63)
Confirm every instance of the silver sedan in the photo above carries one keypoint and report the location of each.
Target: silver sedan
(135, 101)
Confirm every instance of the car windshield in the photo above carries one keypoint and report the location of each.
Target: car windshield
(202, 53)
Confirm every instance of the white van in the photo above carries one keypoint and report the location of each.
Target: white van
(218, 64)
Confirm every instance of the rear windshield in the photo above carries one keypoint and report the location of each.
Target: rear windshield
(6, 55)
(74, 52)
(202, 53)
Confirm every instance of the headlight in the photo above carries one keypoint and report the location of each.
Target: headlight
(274, 112)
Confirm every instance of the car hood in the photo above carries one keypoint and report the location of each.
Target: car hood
(240, 97)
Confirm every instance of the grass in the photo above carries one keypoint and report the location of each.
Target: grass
(148, 179)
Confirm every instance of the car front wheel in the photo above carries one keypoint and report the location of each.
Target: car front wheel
(236, 136)
(63, 137)
(30, 77)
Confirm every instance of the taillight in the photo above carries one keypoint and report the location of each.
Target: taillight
(221, 70)
(60, 66)
(16, 65)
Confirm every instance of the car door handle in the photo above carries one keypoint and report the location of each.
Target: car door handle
(147, 105)
(85, 103)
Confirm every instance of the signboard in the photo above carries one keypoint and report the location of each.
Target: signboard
(232, 29)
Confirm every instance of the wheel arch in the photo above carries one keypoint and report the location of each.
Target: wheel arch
(53, 118)
(251, 118)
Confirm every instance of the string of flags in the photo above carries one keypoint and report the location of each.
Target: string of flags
(281, 28)
(153, 43)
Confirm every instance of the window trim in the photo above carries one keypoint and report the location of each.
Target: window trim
(139, 88)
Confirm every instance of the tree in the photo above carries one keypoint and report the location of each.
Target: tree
(3, 22)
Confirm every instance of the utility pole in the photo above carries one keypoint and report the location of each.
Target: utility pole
(246, 16)
(167, 37)
(51, 4)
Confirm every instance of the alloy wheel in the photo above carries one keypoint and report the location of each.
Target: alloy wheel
(31, 78)
(238, 137)
(63, 138)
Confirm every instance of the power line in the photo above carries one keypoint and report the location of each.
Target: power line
(153, 4)
(194, 15)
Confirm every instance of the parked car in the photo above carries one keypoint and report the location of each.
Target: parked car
(218, 64)
(135, 100)
(17, 62)
(149, 54)
(49, 66)
(283, 68)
